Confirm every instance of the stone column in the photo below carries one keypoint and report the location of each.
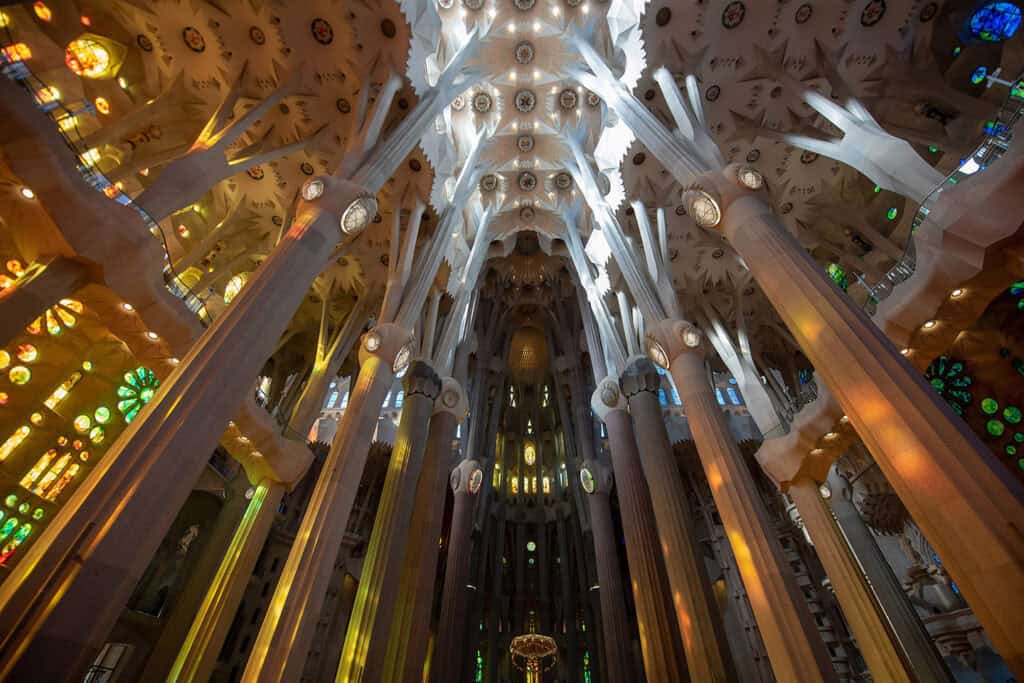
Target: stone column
(867, 621)
(790, 635)
(964, 500)
(494, 660)
(198, 655)
(279, 652)
(410, 632)
(366, 640)
(664, 659)
(911, 634)
(75, 579)
(700, 624)
(41, 287)
(596, 480)
(446, 665)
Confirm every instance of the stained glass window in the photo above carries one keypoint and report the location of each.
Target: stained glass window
(57, 318)
(995, 22)
(950, 379)
(137, 391)
(234, 286)
(87, 58)
(838, 275)
(13, 441)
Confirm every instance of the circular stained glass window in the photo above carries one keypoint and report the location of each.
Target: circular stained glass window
(5, 360)
(995, 427)
(19, 374)
(989, 406)
(27, 353)
(82, 424)
(995, 22)
(102, 415)
(1012, 415)
(531, 546)
(97, 434)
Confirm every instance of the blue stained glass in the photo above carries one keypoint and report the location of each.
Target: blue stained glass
(733, 396)
(718, 394)
(995, 22)
(979, 75)
(662, 397)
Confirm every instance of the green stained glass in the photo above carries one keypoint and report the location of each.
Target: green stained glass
(1011, 450)
(995, 427)
(1012, 415)
(1020, 463)
(24, 508)
(989, 406)
(38, 514)
(8, 528)
(877, 189)
(102, 415)
(838, 275)
(950, 380)
(892, 213)
(1018, 437)
(11, 500)
(97, 434)
(138, 389)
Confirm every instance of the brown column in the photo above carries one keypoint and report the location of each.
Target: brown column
(790, 635)
(410, 631)
(965, 501)
(911, 634)
(874, 639)
(61, 600)
(366, 641)
(700, 624)
(664, 659)
(446, 665)
(597, 482)
(198, 656)
(279, 653)
(40, 288)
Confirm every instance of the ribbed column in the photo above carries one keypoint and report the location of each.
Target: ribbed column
(790, 635)
(366, 641)
(40, 288)
(198, 655)
(279, 653)
(912, 636)
(963, 499)
(874, 640)
(664, 659)
(700, 624)
(410, 632)
(72, 584)
(445, 666)
(596, 481)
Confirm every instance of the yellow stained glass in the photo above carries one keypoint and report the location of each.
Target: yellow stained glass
(61, 392)
(5, 359)
(52, 475)
(87, 58)
(37, 469)
(62, 483)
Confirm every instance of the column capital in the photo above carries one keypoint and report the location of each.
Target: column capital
(640, 376)
(607, 397)
(452, 399)
(466, 478)
(668, 339)
(390, 343)
(709, 196)
(596, 477)
(351, 204)
(421, 380)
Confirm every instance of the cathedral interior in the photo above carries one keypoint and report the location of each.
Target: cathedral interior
(553, 341)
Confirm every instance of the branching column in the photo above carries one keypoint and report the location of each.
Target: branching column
(42, 287)
(446, 664)
(410, 631)
(198, 655)
(968, 506)
(279, 653)
(367, 638)
(874, 639)
(75, 579)
(664, 659)
(790, 636)
(700, 624)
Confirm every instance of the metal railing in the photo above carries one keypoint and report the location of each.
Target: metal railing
(65, 118)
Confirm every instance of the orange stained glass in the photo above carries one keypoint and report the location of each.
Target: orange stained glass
(87, 58)
(44, 461)
(18, 52)
(62, 483)
(42, 11)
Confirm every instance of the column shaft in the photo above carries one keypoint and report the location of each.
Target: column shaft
(198, 655)
(279, 653)
(858, 603)
(366, 641)
(36, 291)
(968, 506)
(446, 665)
(912, 635)
(790, 636)
(71, 586)
(700, 624)
(614, 624)
(410, 633)
(663, 655)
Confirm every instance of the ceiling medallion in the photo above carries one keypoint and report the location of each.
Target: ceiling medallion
(445, 4)
(489, 183)
(563, 181)
(525, 101)
(525, 52)
(593, 99)
(527, 213)
(524, 5)
(257, 36)
(803, 14)
(193, 39)
(322, 31)
(568, 99)
(459, 103)
(473, 4)
(527, 181)
(524, 143)
(873, 13)
(343, 105)
(750, 178)
(481, 103)
(733, 14)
